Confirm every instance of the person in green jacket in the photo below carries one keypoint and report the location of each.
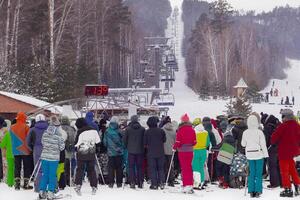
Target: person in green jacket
(6, 145)
(200, 154)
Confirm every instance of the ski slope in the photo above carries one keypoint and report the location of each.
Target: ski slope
(186, 101)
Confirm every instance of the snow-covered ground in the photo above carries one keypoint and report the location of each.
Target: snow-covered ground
(145, 194)
(186, 101)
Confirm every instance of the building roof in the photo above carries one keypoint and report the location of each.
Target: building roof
(31, 101)
(241, 84)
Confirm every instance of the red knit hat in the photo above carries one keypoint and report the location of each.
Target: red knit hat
(185, 118)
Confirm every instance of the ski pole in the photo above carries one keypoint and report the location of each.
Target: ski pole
(169, 171)
(100, 169)
(35, 170)
(246, 184)
(70, 172)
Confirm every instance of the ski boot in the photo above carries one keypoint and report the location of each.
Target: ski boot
(252, 194)
(203, 186)
(171, 184)
(50, 196)
(42, 195)
(287, 192)
(257, 194)
(140, 185)
(17, 184)
(132, 185)
(225, 185)
(221, 181)
(297, 193)
(78, 190)
(188, 190)
(94, 190)
(162, 186)
(153, 187)
(26, 185)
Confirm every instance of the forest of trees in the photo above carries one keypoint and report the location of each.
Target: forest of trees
(223, 45)
(50, 49)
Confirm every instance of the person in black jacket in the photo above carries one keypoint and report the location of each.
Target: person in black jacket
(238, 130)
(134, 142)
(154, 140)
(270, 123)
(87, 142)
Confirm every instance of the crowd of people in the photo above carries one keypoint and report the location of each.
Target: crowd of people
(232, 151)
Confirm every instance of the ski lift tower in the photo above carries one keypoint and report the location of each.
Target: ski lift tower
(156, 45)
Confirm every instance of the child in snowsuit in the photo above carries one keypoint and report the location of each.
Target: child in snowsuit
(6, 146)
(256, 150)
(53, 143)
(185, 140)
(200, 154)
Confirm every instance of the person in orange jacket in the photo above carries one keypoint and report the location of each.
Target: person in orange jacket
(21, 152)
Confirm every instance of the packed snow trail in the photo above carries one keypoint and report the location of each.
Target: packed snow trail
(185, 98)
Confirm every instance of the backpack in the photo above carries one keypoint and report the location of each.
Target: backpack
(239, 165)
(226, 153)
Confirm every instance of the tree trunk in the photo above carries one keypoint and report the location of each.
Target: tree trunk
(7, 35)
(51, 33)
(17, 33)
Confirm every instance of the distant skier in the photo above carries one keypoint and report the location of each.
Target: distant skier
(271, 92)
(273, 83)
(281, 101)
(287, 101)
(293, 100)
(267, 97)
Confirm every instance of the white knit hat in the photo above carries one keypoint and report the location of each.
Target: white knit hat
(40, 117)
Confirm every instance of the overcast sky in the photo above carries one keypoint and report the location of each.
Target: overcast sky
(261, 5)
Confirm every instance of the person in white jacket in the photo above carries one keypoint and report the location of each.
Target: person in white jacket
(256, 150)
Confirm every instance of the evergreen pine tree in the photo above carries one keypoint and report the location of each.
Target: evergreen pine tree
(239, 106)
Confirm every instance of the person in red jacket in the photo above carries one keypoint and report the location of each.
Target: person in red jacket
(287, 138)
(185, 140)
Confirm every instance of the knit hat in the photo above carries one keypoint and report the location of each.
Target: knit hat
(263, 118)
(54, 121)
(114, 119)
(152, 121)
(206, 120)
(40, 117)
(80, 123)
(185, 118)
(197, 121)
(287, 113)
(134, 118)
(65, 120)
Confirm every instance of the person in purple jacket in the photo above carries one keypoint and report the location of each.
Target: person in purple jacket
(34, 142)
